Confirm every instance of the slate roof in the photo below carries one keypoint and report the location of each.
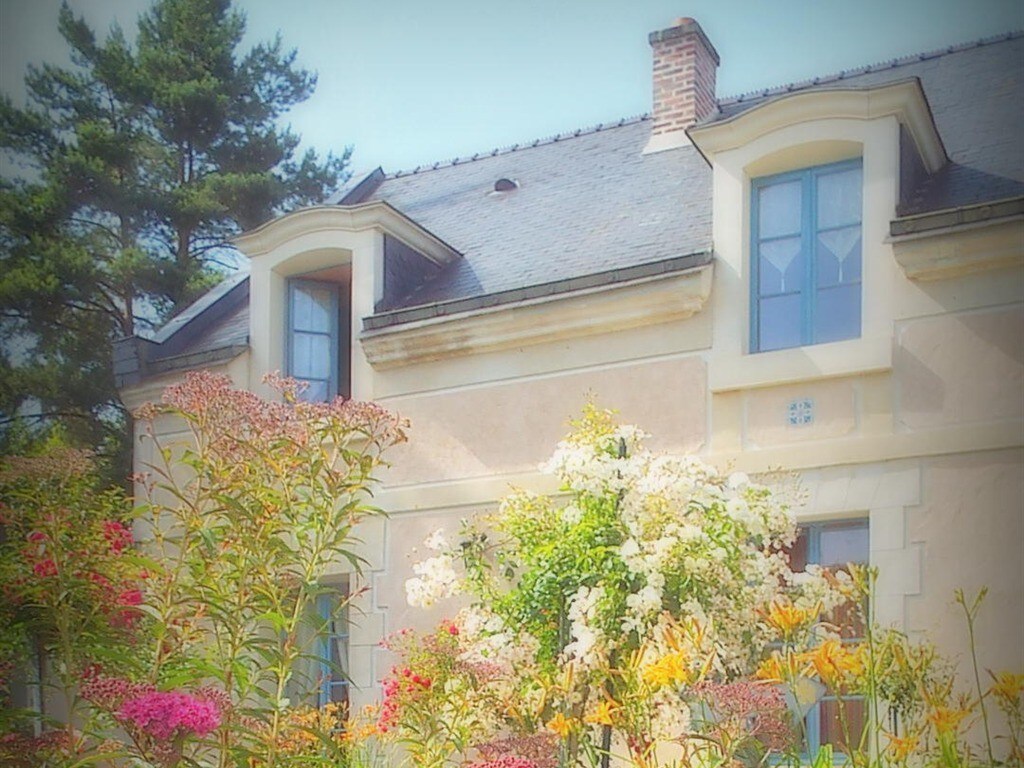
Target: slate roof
(976, 94)
(590, 205)
(585, 204)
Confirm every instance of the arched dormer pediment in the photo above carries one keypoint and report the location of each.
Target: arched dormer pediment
(288, 234)
(905, 100)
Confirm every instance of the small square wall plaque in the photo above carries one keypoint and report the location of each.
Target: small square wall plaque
(801, 412)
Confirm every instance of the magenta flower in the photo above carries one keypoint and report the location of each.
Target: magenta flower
(117, 535)
(45, 568)
(165, 715)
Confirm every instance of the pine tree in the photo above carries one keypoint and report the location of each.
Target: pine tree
(135, 166)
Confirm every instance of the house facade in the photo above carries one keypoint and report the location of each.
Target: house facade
(827, 277)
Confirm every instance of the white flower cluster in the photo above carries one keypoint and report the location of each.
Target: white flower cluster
(485, 639)
(435, 579)
(588, 646)
(694, 538)
(596, 468)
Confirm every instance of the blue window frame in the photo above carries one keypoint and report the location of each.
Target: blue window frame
(833, 545)
(332, 608)
(313, 339)
(806, 257)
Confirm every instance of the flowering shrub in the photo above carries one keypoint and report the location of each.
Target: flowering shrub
(275, 489)
(649, 611)
(597, 579)
(240, 523)
(71, 584)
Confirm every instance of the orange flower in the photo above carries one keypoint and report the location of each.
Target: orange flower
(783, 668)
(787, 618)
(946, 720)
(836, 663)
(901, 747)
(668, 670)
(560, 725)
(1008, 687)
(602, 715)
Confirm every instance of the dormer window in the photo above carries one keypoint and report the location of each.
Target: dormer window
(316, 309)
(806, 257)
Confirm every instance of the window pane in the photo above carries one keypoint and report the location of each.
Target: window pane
(779, 322)
(778, 208)
(838, 313)
(311, 356)
(316, 392)
(838, 256)
(854, 712)
(339, 694)
(781, 266)
(844, 543)
(311, 308)
(839, 198)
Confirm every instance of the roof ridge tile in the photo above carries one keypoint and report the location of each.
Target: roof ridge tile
(899, 61)
(509, 149)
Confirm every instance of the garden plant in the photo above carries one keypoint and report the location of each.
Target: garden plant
(188, 647)
(644, 616)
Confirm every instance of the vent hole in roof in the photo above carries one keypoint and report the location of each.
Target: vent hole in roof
(505, 185)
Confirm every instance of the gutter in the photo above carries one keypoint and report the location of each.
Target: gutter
(568, 285)
(967, 216)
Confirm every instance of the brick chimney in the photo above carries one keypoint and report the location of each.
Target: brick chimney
(684, 82)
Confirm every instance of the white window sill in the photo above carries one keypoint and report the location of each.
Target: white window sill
(787, 366)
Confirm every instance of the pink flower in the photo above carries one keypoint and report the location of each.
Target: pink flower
(37, 536)
(507, 761)
(45, 568)
(165, 715)
(117, 535)
(130, 597)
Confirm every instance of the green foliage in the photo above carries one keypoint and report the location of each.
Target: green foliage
(71, 583)
(195, 645)
(136, 166)
(267, 508)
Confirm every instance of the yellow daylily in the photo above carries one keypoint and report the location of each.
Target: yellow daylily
(836, 663)
(602, 714)
(786, 617)
(1008, 686)
(671, 669)
(783, 668)
(901, 747)
(946, 719)
(560, 725)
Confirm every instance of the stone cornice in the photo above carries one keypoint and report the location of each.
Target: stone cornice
(344, 218)
(961, 249)
(904, 100)
(605, 309)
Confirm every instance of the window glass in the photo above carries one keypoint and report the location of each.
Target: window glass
(334, 670)
(833, 545)
(782, 266)
(780, 207)
(780, 322)
(313, 339)
(807, 248)
(839, 198)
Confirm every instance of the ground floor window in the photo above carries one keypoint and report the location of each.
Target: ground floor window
(833, 545)
(332, 607)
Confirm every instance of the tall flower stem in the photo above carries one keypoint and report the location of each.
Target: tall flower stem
(971, 613)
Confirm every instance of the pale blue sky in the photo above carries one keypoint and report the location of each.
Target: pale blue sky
(415, 81)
